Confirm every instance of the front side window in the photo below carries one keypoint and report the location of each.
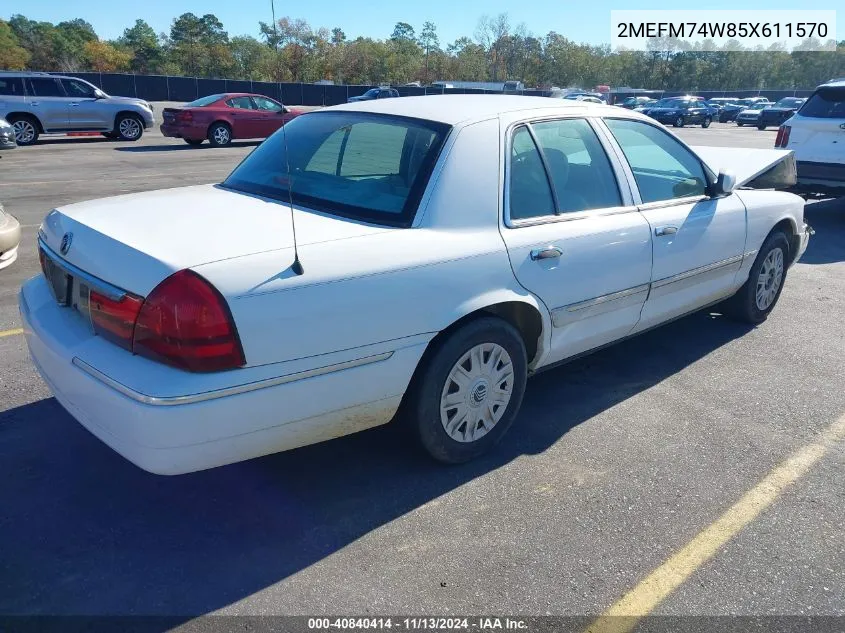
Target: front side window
(364, 166)
(241, 103)
(267, 105)
(45, 87)
(76, 88)
(663, 168)
(825, 103)
(580, 170)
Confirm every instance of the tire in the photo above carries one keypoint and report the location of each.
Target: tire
(196, 142)
(428, 415)
(128, 127)
(679, 122)
(220, 135)
(739, 123)
(706, 122)
(745, 305)
(761, 127)
(26, 127)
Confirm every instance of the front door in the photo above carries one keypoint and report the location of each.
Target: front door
(48, 102)
(698, 241)
(272, 115)
(84, 110)
(573, 237)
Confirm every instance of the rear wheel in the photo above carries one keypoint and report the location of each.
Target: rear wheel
(129, 127)
(26, 129)
(194, 141)
(679, 122)
(757, 297)
(706, 122)
(219, 135)
(466, 395)
(739, 123)
(760, 126)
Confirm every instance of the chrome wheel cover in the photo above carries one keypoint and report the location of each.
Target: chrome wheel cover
(221, 135)
(24, 131)
(130, 128)
(477, 392)
(769, 279)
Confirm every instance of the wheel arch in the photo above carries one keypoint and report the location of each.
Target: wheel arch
(25, 115)
(788, 226)
(122, 113)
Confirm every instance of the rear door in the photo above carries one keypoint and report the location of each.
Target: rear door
(573, 236)
(85, 111)
(48, 101)
(818, 128)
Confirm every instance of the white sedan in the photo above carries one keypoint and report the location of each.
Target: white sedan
(416, 258)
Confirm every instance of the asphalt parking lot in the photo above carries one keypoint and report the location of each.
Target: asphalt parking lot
(616, 462)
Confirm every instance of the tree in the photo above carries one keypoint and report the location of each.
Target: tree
(429, 41)
(13, 56)
(147, 52)
(403, 31)
(105, 58)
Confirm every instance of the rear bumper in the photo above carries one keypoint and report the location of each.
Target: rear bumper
(171, 436)
(10, 237)
(821, 177)
(191, 132)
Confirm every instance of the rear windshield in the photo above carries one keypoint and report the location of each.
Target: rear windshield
(826, 103)
(203, 101)
(365, 166)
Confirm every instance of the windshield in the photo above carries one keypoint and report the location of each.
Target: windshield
(372, 92)
(757, 106)
(360, 165)
(826, 103)
(788, 102)
(203, 101)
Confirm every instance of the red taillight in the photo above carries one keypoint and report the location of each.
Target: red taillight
(782, 139)
(185, 322)
(185, 116)
(114, 320)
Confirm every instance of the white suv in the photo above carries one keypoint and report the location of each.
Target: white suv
(816, 133)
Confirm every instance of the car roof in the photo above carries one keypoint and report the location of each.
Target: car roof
(455, 109)
(834, 83)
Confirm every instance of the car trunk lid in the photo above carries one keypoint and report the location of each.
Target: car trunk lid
(753, 168)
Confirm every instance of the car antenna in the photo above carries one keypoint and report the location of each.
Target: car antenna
(296, 267)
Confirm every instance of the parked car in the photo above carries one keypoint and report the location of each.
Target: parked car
(282, 307)
(816, 134)
(38, 103)
(717, 103)
(730, 111)
(10, 229)
(681, 111)
(750, 115)
(634, 102)
(224, 117)
(776, 114)
(376, 93)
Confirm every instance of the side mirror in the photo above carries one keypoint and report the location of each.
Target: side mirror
(284, 110)
(99, 94)
(725, 183)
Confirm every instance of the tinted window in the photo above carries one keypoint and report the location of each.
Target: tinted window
(203, 101)
(788, 102)
(76, 88)
(359, 165)
(11, 86)
(263, 103)
(44, 87)
(663, 168)
(826, 103)
(530, 194)
(242, 103)
(580, 170)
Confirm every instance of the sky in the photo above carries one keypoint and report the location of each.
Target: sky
(579, 20)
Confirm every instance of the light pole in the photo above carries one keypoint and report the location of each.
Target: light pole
(275, 34)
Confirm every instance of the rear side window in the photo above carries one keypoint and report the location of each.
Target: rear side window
(530, 193)
(44, 87)
(11, 86)
(581, 172)
(364, 166)
(826, 103)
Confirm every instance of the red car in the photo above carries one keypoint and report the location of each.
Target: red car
(221, 118)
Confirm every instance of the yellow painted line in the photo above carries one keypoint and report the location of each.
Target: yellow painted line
(623, 616)
(14, 332)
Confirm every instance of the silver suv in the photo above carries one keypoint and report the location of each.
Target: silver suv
(40, 103)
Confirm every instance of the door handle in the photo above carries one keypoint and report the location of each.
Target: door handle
(550, 252)
(73, 105)
(33, 103)
(660, 231)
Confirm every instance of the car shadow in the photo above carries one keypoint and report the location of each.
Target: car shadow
(828, 244)
(185, 147)
(67, 140)
(84, 531)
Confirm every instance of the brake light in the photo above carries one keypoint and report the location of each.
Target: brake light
(185, 322)
(114, 320)
(185, 116)
(782, 139)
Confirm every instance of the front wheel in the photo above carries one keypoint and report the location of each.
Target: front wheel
(706, 122)
(679, 122)
(129, 127)
(757, 297)
(739, 123)
(760, 126)
(467, 394)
